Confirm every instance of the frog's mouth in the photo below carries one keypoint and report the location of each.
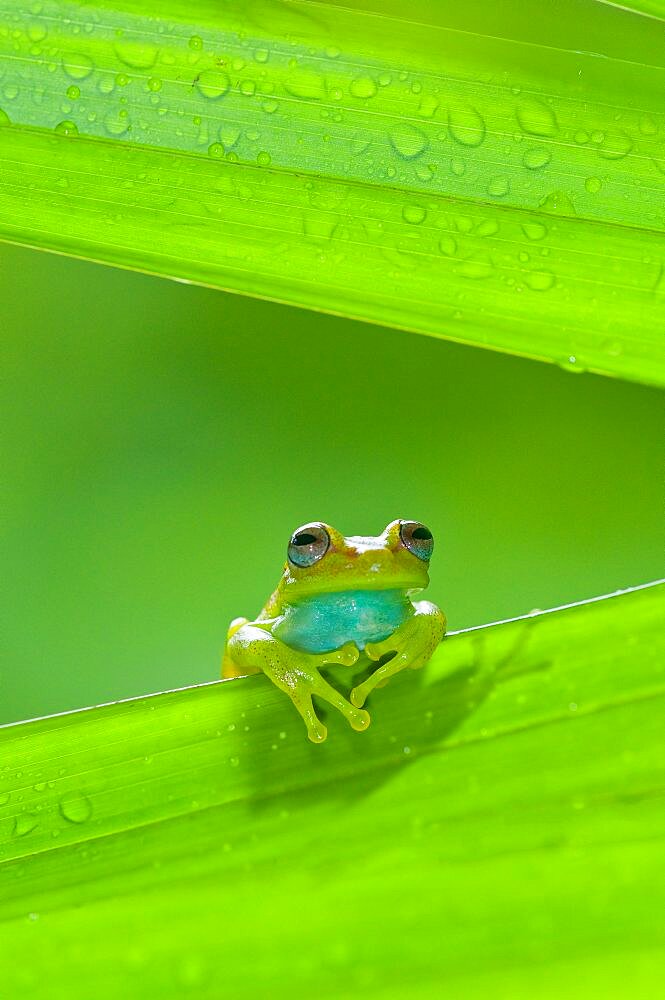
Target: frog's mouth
(389, 587)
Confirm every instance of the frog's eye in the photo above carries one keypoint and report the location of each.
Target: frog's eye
(308, 544)
(417, 539)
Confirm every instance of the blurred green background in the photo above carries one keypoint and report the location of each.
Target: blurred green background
(160, 441)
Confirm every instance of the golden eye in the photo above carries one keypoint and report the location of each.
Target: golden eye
(308, 544)
(417, 539)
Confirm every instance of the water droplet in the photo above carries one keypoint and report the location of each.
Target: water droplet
(385, 80)
(457, 166)
(37, 32)
(558, 202)
(539, 281)
(414, 214)
(73, 92)
(615, 146)
(4, 798)
(216, 150)
(593, 185)
(582, 137)
(4, 118)
(612, 347)
(40, 786)
(25, 823)
(270, 106)
(264, 159)
(319, 226)
(427, 106)
(261, 55)
(498, 187)
(466, 126)
(136, 54)
(66, 128)
(195, 43)
(647, 125)
(536, 118)
(479, 266)
(10, 91)
(409, 142)
(363, 87)
(75, 807)
(488, 227)
(448, 245)
(234, 761)
(248, 88)
(78, 66)
(213, 83)
(571, 364)
(154, 84)
(106, 85)
(536, 158)
(534, 230)
(229, 135)
(116, 124)
(305, 84)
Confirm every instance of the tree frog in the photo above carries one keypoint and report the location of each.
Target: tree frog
(345, 600)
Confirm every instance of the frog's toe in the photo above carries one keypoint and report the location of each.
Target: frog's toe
(377, 650)
(346, 656)
(358, 696)
(359, 720)
(349, 654)
(316, 732)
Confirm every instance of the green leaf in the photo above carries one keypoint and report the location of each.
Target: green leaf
(491, 173)
(498, 829)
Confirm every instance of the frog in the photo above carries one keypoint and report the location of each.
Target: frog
(341, 600)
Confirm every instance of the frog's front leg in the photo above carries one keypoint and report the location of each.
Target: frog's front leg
(412, 645)
(296, 673)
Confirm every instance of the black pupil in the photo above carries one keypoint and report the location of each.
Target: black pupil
(304, 539)
(422, 534)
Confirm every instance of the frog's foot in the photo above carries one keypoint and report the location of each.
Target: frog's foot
(296, 673)
(305, 682)
(411, 645)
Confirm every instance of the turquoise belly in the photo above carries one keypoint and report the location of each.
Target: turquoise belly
(325, 622)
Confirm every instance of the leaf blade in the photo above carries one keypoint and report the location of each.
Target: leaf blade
(451, 203)
(458, 828)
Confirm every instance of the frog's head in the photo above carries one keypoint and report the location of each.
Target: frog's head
(322, 561)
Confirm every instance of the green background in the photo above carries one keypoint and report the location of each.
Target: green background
(160, 442)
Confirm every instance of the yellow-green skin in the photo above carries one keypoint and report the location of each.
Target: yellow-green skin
(352, 607)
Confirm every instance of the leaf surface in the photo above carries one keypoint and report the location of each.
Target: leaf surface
(482, 175)
(500, 826)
